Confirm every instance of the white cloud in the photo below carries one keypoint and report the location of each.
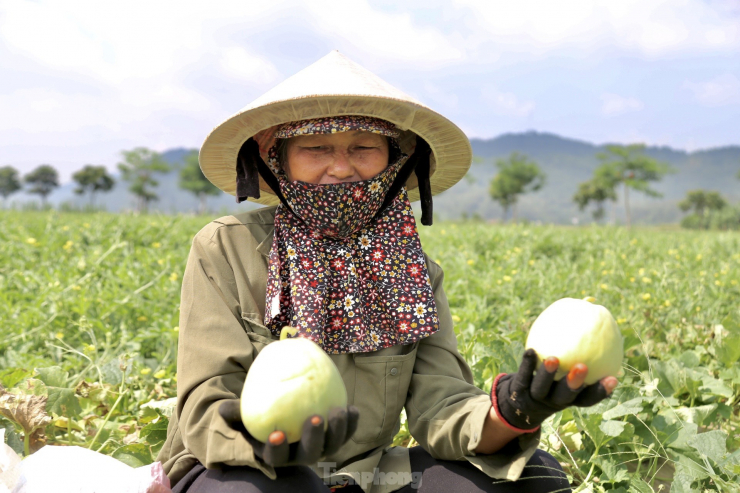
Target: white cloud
(36, 115)
(439, 96)
(140, 53)
(721, 90)
(41, 110)
(245, 65)
(614, 104)
(126, 69)
(650, 27)
(383, 36)
(506, 103)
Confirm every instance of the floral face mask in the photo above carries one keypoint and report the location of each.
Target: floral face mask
(347, 275)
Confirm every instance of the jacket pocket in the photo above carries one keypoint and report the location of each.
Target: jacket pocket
(257, 332)
(381, 385)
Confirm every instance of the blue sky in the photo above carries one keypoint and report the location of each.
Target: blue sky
(82, 80)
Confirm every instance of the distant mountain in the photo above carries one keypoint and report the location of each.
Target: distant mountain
(569, 162)
(566, 162)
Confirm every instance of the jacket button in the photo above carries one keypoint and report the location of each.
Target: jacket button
(394, 371)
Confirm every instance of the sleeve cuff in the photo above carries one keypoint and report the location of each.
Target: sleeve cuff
(477, 419)
(228, 446)
(504, 464)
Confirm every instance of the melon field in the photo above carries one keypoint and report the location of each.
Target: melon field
(89, 328)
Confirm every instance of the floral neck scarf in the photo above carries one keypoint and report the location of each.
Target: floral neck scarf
(346, 277)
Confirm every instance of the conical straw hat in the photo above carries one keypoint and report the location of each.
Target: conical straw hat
(333, 86)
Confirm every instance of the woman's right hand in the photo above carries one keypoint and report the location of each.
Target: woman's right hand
(525, 399)
(314, 444)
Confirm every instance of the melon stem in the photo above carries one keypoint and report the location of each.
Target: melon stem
(287, 331)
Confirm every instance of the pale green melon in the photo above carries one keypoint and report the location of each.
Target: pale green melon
(289, 381)
(578, 331)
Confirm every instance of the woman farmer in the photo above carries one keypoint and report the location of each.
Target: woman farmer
(342, 153)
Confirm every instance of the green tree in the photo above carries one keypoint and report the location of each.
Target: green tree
(517, 175)
(137, 168)
(43, 180)
(503, 190)
(596, 191)
(701, 200)
(93, 179)
(10, 182)
(627, 165)
(193, 180)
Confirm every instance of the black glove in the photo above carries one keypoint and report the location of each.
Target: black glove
(524, 401)
(314, 443)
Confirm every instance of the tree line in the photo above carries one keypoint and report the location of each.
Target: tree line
(139, 168)
(624, 167)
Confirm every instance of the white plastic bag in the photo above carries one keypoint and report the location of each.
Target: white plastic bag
(78, 470)
(9, 461)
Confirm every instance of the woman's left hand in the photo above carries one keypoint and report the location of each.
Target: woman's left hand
(315, 442)
(525, 399)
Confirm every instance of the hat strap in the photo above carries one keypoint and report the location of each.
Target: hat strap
(419, 164)
(249, 167)
(425, 188)
(247, 175)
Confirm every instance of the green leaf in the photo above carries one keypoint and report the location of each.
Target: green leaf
(12, 376)
(156, 431)
(612, 428)
(63, 402)
(731, 463)
(690, 359)
(637, 485)
(712, 444)
(32, 386)
(591, 425)
(148, 414)
(629, 408)
(728, 347)
(728, 352)
(165, 407)
(101, 394)
(53, 376)
(669, 375)
(681, 438)
(695, 414)
(682, 484)
(111, 372)
(731, 323)
(687, 466)
(731, 374)
(693, 386)
(611, 472)
(134, 455)
(711, 385)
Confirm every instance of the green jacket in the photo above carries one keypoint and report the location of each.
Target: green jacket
(221, 332)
